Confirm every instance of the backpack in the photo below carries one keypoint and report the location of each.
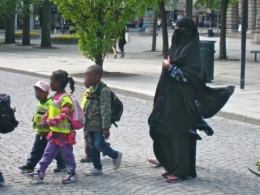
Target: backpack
(7, 119)
(76, 117)
(117, 106)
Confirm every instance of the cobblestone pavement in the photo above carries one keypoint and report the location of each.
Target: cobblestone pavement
(221, 159)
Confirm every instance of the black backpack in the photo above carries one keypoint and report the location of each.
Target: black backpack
(117, 106)
(7, 119)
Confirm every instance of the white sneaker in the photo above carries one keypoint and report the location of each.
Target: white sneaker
(37, 176)
(94, 172)
(70, 178)
(117, 161)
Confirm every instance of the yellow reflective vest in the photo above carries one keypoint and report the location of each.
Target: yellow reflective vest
(41, 109)
(84, 97)
(54, 110)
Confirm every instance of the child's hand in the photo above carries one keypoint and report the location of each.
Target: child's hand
(166, 63)
(45, 124)
(106, 133)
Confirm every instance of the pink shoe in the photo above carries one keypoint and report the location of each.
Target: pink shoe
(173, 179)
(153, 161)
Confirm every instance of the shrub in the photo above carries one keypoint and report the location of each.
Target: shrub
(65, 39)
(19, 34)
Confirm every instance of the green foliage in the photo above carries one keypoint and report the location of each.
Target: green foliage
(100, 22)
(213, 4)
(5, 7)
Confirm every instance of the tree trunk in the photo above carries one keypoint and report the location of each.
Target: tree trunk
(100, 56)
(223, 49)
(99, 60)
(46, 24)
(26, 23)
(162, 10)
(10, 22)
(154, 30)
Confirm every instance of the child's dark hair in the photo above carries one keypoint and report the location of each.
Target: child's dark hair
(63, 78)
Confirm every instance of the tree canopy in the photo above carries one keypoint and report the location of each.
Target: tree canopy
(212, 4)
(100, 22)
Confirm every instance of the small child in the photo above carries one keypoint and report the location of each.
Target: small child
(98, 120)
(62, 136)
(42, 90)
(88, 157)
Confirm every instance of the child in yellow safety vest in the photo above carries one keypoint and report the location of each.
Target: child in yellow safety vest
(42, 89)
(62, 135)
(88, 157)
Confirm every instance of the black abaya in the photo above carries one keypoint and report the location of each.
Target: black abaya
(177, 154)
(176, 110)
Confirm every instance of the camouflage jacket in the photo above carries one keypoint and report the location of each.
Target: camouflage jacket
(98, 109)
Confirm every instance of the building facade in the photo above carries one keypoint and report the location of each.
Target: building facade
(234, 16)
(205, 17)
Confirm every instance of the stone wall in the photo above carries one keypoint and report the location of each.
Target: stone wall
(232, 18)
(257, 26)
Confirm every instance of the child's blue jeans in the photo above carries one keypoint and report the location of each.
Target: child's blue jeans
(97, 144)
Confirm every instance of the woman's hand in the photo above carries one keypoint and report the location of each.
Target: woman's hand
(166, 63)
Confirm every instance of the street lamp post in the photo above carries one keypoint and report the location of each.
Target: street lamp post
(243, 43)
(189, 8)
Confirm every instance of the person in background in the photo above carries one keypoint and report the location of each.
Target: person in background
(122, 42)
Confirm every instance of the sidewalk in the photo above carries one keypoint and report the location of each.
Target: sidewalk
(142, 70)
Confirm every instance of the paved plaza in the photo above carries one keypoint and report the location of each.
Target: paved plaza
(221, 159)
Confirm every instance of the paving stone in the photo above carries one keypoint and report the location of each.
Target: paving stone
(221, 159)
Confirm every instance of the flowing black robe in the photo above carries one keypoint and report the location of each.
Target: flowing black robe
(175, 109)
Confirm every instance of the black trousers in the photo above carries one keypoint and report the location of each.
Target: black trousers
(39, 146)
(121, 46)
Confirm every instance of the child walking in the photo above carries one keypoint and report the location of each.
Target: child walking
(88, 157)
(98, 120)
(62, 136)
(42, 90)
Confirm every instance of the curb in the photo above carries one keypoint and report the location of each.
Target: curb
(227, 115)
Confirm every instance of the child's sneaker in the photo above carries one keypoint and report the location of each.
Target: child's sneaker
(86, 159)
(26, 169)
(117, 161)
(59, 169)
(70, 178)
(94, 172)
(2, 180)
(37, 176)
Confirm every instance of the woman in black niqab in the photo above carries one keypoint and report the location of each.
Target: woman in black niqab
(181, 102)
